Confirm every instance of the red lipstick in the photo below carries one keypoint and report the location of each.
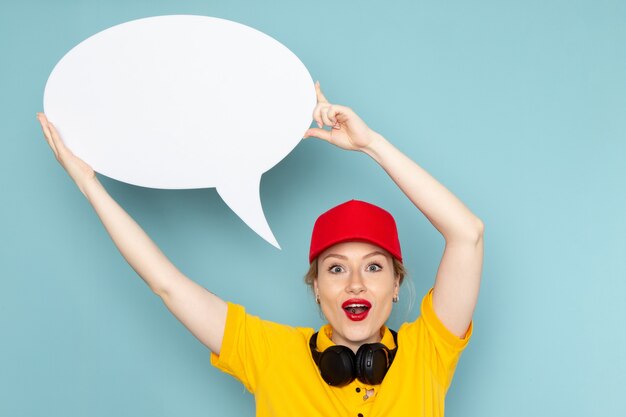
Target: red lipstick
(356, 309)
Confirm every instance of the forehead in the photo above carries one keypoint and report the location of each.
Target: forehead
(353, 249)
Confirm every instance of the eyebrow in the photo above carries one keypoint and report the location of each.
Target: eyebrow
(336, 255)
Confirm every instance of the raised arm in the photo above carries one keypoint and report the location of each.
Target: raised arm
(202, 312)
(458, 278)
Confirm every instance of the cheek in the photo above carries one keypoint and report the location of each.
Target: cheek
(327, 311)
(326, 284)
(384, 288)
(327, 292)
(385, 306)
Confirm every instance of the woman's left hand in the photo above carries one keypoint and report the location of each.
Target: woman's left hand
(347, 131)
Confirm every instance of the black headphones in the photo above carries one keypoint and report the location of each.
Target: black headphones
(339, 365)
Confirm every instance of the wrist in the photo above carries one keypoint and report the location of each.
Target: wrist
(375, 146)
(89, 185)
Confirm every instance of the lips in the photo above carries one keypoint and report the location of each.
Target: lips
(356, 309)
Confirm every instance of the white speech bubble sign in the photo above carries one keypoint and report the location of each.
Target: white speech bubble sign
(182, 102)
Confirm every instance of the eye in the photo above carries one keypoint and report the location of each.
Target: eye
(335, 269)
(374, 268)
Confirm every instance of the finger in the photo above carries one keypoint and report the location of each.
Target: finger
(338, 114)
(320, 110)
(43, 121)
(317, 115)
(325, 117)
(45, 127)
(331, 111)
(318, 133)
(47, 134)
(320, 95)
(63, 150)
(55, 136)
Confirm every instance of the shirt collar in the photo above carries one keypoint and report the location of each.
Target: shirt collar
(326, 333)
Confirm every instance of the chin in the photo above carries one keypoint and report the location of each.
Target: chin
(360, 332)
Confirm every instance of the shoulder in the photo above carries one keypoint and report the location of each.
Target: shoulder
(429, 327)
(245, 324)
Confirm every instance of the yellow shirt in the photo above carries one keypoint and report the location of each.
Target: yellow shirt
(274, 362)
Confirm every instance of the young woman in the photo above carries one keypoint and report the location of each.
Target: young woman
(354, 366)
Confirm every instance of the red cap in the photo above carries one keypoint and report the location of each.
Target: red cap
(355, 220)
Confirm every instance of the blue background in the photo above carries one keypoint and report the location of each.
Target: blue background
(517, 107)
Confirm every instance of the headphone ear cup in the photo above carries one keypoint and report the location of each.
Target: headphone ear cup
(372, 363)
(337, 365)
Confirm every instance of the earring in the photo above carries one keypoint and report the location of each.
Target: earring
(395, 299)
(317, 298)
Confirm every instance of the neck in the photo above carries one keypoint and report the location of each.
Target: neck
(355, 345)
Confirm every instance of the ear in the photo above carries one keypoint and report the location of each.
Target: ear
(315, 287)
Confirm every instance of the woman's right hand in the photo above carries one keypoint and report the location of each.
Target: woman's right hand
(78, 169)
(202, 312)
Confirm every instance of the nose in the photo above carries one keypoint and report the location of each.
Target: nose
(356, 284)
